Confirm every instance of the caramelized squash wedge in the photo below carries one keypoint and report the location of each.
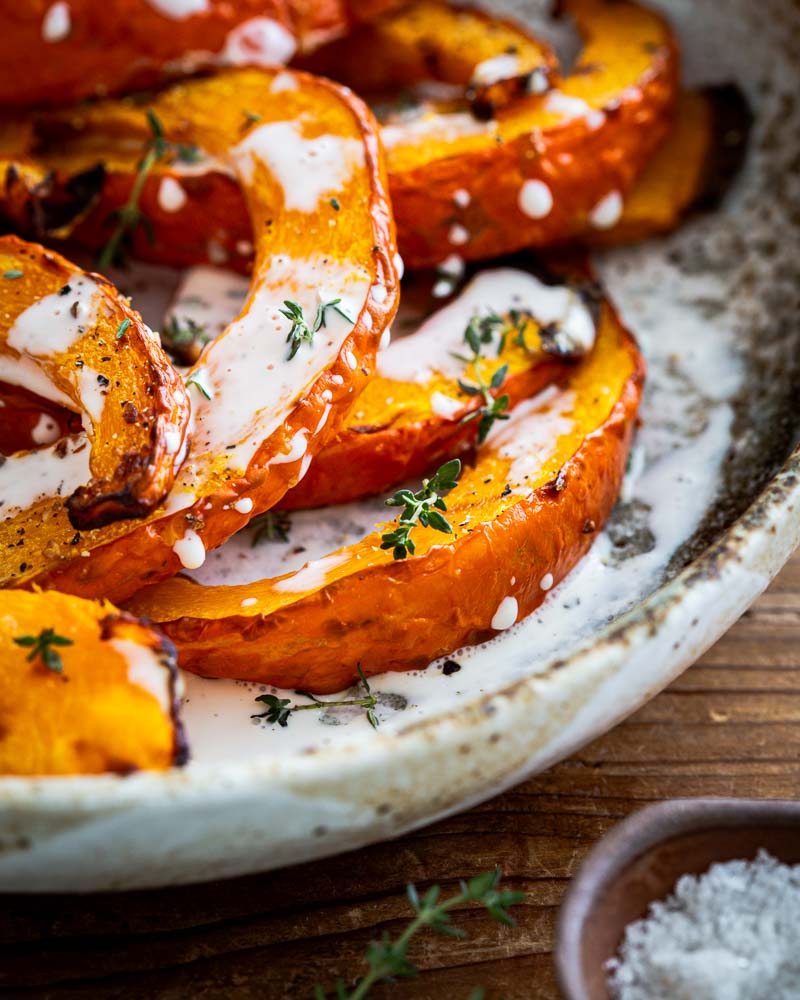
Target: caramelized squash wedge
(494, 60)
(541, 172)
(86, 49)
(422, 408)
(691, 170)
(84, 689)
(545, 168)
(273, 388)
(522, 516)
(27, 421)
(70, 337)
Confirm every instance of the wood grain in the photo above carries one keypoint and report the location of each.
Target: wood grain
(729, 726)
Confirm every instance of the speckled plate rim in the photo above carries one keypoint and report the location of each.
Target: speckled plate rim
(342, 798)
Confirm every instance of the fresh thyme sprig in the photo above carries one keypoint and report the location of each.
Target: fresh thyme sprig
(197, 381)
(422, 507)
(279, 709)
(301, 332)
(185, 338)
(481, 330)
(387, 959)
(41, 646)
(271, 526)
(130, 216)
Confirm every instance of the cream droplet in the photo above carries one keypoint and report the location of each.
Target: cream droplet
(506, 614)
(606, 213)
(535, 199)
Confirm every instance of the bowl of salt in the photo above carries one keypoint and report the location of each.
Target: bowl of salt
(691, 899)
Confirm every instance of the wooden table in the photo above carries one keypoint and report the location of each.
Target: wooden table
(729, 726)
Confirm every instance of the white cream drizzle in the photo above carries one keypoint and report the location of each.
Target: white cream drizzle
(607, 212)
(45, 431)
(179, 10)
(312, 575)
(260, 41)
(446, 406)
(190, 550)
(54, 323)
(29, 476)
(502, 67)
(431, 348)
(570, 108)
(57, 23)
(145, 670)
(306, 169)
(210, 297)
(506, 614)
(252, 383)
(535, 199)
(171, 195)
(445, 128)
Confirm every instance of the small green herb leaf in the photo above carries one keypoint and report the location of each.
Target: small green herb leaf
(280, 709)
(335, 204)
(41, 647)
(422, 508)
(271, 526)
(197, 381)
(11, 275)
(122, 328)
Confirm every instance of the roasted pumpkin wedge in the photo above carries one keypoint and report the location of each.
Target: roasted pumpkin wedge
(508, 334)
(84, 49)
(27, 421)
(521, 517)
(493, 59)
(70, 337)
(692, 169)
(273, 389)
(84, 689)
(541, 172)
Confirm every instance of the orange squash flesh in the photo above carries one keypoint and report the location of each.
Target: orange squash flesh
(89, 49)
(310, 629)
(71, 336)
(545, 167)
(458, 184)
(494, 59)
(399, 429)
(27, 421)
(111, 708)
(254, 438)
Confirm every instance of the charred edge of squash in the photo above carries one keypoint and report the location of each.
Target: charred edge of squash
(54, 205)
(168, 658)
(484, 101)
(731, 124)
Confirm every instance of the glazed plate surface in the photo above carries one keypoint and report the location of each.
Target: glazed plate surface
(710, 511)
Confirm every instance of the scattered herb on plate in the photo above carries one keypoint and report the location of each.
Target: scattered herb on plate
(280, 709)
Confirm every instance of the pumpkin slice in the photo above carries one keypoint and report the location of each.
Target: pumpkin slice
(494, 59)
(541, 172)
(323, 280)
(84, 49)
(545, 168)
(27, 421)
(691, 170)
(70, 337)
(522, 516)
(84, 689)
(422, 407)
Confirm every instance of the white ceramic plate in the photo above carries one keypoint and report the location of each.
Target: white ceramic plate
(707, 517)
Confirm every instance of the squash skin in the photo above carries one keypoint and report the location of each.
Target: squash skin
(124, 559)
(429, 39)
(390, 615)
(393, 433)
(92, 718)
(143, 427)
(123, 45)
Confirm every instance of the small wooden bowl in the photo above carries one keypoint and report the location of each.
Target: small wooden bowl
(640, 861)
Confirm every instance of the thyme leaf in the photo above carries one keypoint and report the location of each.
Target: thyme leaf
(388, 958)
(130, 216)
(422, 507)
(122, 328)
(480, 331)
(279, 710)
(185, 338)
(271, 526)
(301, 332)
(41, 647)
